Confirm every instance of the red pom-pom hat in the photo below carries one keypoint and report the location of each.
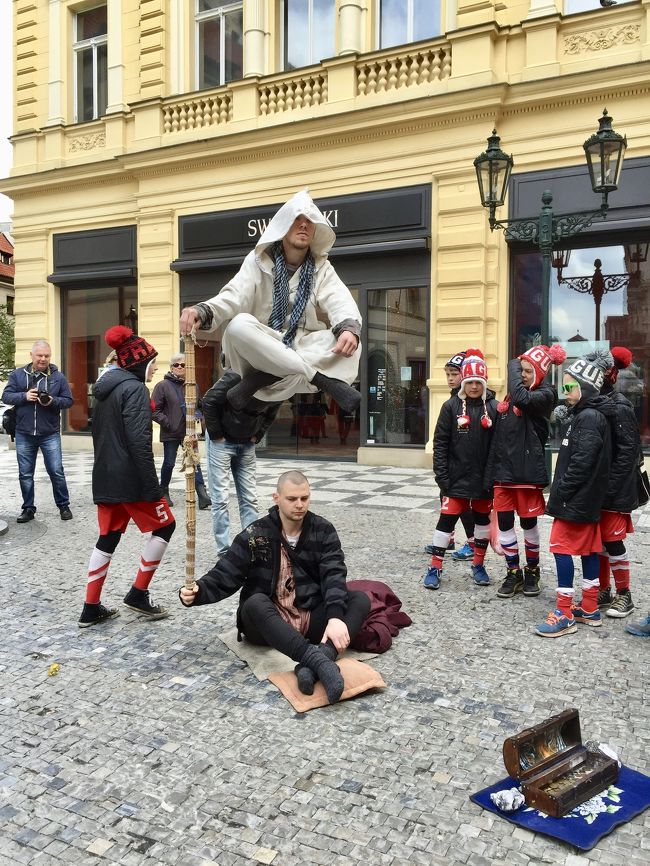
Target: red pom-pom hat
(130, 349)
(540, 359)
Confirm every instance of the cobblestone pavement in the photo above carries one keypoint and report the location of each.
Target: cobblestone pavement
(153, 744)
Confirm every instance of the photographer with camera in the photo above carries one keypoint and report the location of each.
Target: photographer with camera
(39, 391)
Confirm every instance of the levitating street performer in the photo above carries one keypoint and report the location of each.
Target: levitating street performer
(291, 572)
(125, 484)
(275, 309)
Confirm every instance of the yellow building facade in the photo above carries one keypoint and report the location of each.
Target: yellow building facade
(139, 183)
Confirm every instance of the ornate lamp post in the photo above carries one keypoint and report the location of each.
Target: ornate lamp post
(596, 285)
(604, 152)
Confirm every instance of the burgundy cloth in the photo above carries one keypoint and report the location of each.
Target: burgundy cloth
(384, 620)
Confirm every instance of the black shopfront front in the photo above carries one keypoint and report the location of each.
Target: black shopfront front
(382, 254)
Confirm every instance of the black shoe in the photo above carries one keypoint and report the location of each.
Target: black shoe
(139, 601)
(94, 613)
(348, 398)
(65, 513)
(605, 598)
(531, 580)
(513, 583)
(202, 496)
(240, 394)
(26, 515)
(165, 493)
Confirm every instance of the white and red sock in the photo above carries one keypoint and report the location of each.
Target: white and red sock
(153, 552)
(97, 570)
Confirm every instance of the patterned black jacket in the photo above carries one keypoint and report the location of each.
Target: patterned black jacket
(252, 564)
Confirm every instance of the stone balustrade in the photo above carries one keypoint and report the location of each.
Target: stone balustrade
(199, 112)
(413, 67)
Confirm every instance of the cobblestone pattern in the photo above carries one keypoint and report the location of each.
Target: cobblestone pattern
(154, 745)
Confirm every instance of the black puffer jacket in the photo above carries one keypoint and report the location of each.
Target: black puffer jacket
(124, 470)
(222, 421)
(460, 455)
(626, 455)
(252, 564)
(517, 451)
(583, 462)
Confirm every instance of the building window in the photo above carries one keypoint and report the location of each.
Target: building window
(90, 64)
(219, 40)
(10, 305)
(309, 27)
(402, 21)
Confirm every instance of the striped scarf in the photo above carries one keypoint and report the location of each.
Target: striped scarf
(281, 293)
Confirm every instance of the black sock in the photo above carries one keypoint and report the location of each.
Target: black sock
(239, 395)
(326, 671)
(306, 677)
(345, 395)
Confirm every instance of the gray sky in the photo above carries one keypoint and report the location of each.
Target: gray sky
(6, 108)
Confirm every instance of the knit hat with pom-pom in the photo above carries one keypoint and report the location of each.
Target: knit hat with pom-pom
(610, 362)
(131, 350)
(540, 359)
(473, 369)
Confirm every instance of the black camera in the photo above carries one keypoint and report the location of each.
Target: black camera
(43, 398)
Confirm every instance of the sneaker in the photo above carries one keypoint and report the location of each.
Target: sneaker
(26, 515)
(604, 598)
(556, 625)
(592, 618)
(622, 605)
(431, 579)
(531, 580)
(451, 546)
(65, 513)
(140, 601)
(639, 629)
(94, 613)
(513, 583)
(480, 575)
(465, 552)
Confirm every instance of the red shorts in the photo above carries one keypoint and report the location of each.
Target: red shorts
(615, 525)
(575, 539)
(452, 505)
(526, 501)
(147, 516)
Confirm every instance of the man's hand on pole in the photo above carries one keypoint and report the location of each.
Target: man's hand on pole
(188, 594)
(189, 319)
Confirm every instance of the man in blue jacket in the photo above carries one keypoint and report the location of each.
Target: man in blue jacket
(39, 391)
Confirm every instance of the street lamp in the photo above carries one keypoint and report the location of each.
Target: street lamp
(597, 286)
(604, 152)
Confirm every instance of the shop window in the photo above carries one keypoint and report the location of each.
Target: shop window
(397, 396)
(90, 64)
(601, 299)
(219, 41)
(87, 313)
(309, 27)
(403, 21)
(585, 5)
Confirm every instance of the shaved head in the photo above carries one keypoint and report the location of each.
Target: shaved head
(293, 476)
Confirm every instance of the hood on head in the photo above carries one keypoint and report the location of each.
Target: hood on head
(110, 380)
(301, 203)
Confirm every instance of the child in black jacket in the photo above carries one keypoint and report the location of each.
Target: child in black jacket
(460, 450)
(517, 465)
(579, 487)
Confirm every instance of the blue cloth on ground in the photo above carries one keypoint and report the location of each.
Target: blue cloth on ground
(587, 823)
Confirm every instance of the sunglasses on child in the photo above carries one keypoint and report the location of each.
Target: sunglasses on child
(178, 365)
(569, 387)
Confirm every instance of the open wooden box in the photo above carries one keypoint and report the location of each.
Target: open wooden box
(556, 771)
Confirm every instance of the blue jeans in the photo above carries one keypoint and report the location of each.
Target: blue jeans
(223, 458)
(26, 451)
(170, 450)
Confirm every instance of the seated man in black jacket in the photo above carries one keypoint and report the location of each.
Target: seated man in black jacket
(230, 447)
(292, 575)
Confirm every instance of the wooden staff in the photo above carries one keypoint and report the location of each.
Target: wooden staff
(190, 460)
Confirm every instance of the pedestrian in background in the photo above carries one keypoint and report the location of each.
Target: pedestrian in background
(231, 438)
(517, 463)
(452, 372)
(169, 411)
(39, 391)
(461, 446)
(578, 490)
(125, 483)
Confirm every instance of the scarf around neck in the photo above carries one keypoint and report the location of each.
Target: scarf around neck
(281, 293)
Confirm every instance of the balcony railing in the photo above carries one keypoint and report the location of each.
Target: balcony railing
(198, 112)
(410, 68)
(295, 92)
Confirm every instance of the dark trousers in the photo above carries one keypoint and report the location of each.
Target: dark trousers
(262, 624)
(170, 450)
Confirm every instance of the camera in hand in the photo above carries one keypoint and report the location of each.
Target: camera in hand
(43, 398)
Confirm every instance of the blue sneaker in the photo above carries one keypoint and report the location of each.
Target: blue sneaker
(639, 629)
(556, 625)
(465, 552)
(431, 579)
(594, 618)
(480, 575)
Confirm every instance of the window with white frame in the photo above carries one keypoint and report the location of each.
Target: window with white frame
(219, 41)
(90, 63)
(309, 31)
(403, 21)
